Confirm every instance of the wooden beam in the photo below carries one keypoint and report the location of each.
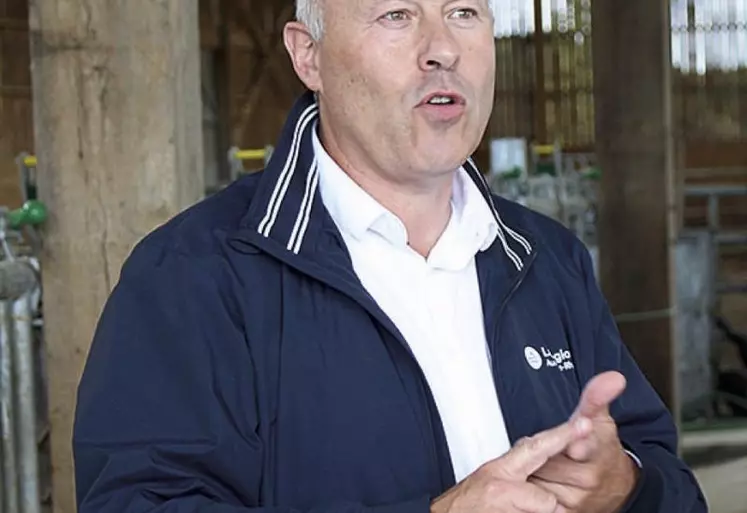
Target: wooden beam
(635, 151)
(118, 134)
(540, 91)
(9, 91)
(13, 24)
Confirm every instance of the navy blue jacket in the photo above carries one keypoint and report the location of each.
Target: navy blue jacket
(239, 365)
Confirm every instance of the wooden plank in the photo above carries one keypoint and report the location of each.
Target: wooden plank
(634, 148)
(716, 154)
(16, 133)
(17, 9)
(16, 24)
(211, 21)
(133, 160)
(15, 67)
(262, 84)
(10, 192)
(9, 91)
(540, 92)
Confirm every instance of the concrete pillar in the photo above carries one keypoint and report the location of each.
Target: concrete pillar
(632, 74)
(117, 119)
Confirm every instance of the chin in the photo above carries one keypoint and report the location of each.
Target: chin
(445, 153)
(443, 162)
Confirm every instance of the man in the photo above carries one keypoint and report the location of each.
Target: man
(362, 326)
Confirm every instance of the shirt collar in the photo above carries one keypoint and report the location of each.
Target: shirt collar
(472, 227)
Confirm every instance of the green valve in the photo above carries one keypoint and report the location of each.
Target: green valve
(32, 213)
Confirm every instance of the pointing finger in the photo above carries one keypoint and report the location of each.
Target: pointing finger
(531, 453)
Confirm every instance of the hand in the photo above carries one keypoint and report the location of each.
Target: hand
(594, 474)
(500, 486)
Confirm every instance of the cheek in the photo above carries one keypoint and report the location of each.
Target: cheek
(487, 92)
(345, 75)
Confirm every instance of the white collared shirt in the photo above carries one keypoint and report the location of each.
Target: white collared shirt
(434, 302)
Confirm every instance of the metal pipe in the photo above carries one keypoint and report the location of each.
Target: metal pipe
(20, 475)
(732, 288)
(28, 462)
(17, 277)
(7, 403)
(716, 190)
(714, 219)
(725, 238)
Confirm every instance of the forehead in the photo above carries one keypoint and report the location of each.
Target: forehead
(337, 5)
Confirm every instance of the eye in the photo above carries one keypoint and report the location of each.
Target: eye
(395, 16)
(464, 13)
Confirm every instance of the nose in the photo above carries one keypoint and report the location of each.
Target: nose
(440, 49)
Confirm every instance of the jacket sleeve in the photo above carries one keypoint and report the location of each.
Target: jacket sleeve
(167, 417)
(646, 427)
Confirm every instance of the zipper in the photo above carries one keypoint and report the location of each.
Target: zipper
(495, 332)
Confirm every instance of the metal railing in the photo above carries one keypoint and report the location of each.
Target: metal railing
(17, 389)
(19, 426)
(237, 157)
(720, 236)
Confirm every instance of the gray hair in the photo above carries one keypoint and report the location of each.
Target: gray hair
(309, 12)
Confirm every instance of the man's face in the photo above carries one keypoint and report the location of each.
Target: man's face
(406, 86)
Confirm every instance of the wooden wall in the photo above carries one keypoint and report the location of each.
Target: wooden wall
(248, 86)
(249, 83)
(16, 130)
(255, 82)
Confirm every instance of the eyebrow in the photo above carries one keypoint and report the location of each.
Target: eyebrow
(372, 5)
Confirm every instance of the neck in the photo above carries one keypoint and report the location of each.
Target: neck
(425, 212)
(423, 206)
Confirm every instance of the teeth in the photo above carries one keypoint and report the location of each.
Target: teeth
(440, 100)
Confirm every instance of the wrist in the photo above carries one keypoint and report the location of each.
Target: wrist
(629, 474)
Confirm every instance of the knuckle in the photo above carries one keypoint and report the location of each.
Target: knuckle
(575, 501)
(494, 487)
(523, 443)
(487, 478)
(534, 444)
(496, 470)
(487, 472)
(498, 493)
(546, 500)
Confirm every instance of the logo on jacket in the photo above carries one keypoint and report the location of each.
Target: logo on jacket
(533, 357)
(560, 360)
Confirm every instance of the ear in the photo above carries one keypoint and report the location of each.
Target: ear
(303, 51)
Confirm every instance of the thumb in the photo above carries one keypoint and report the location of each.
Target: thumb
(599, 393)
(530, 454)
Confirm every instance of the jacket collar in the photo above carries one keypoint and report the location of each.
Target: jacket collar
(287, 210)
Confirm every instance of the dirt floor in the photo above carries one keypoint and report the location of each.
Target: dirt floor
(725, 486)
(719, 459)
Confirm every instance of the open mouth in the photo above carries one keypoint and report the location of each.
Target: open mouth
(443, 99)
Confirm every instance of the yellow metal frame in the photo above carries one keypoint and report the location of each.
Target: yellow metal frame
(544, 149)
(258, 154)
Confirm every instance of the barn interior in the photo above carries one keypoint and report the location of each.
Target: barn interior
(626, 121)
